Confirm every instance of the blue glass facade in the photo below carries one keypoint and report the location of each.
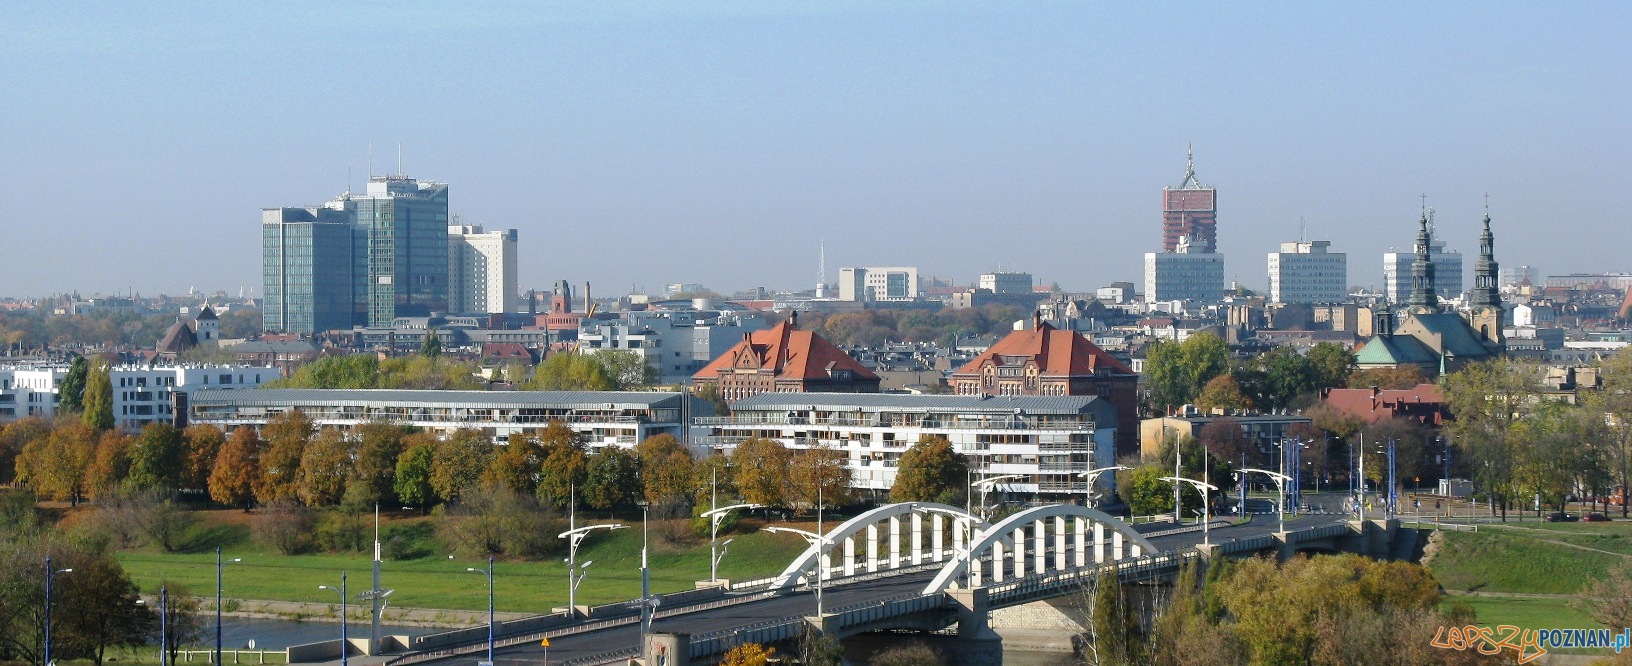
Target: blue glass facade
(306, 269)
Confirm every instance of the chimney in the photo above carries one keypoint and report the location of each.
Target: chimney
(793, 319)
(587, 299)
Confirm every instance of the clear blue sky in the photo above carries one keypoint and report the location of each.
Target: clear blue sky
(645, 143)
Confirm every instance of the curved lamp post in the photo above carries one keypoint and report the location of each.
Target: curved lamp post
(821, 566)
(715, 516)
(1092, 475)
(1206, 509)
(218, 566)
(576, 573)
(985, 486)
(345, 638)
(1280, 486)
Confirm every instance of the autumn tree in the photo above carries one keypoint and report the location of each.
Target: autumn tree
(820, 467)
(1177, 371)
(516, 466)
(156, 458)
(374, 463)
(666, 472)
(413, 477)
(71, 394)
(1223, 393)
(86, 619)
(760, 471)
(458, 461)
(237, 469)
(627, 368)
(111, 464)
(1486, 400)
(56, 466)
(183, 623)
(565, 464)
(98, 399)
(1614, 402)
(1331, 365)
(748, 654)
(715, 479)
(287, 435)
(200, 443)
(325, 464)
(1400, 378)
(931, 471)
(611, 479)
(565, 371)
(16, 436)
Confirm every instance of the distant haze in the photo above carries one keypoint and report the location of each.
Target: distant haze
(646, 143)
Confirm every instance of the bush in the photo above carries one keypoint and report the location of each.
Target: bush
(408, 542)
(341, 530)
(496, 521)
(912, 654)
(286, 526)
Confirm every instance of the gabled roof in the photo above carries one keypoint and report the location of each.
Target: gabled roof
(207, 314)
(177, 339)
(790, 353)
(1393, 350)
(1459, 339)
(1058, 353)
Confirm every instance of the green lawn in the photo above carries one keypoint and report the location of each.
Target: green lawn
(1525, 613)
(1496, 560)
(436, 582)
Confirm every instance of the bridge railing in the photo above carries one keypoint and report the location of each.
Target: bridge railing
(1132, 569)
(787, 627)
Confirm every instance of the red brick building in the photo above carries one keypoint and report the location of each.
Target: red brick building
(1050, 361)
(784, 359)
(1190, 211)
(1423, 404)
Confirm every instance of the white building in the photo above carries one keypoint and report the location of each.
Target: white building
(606, 418)
(1044, 440)
(1447, 273)
(141, 394)
(881, 283)
(1006, 283)
(1307, 272)
(677, 343)
(29, 391)
(1184, 275)
(482, 271)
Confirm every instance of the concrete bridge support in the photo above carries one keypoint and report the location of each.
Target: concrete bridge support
(667, 650)
(977, 644)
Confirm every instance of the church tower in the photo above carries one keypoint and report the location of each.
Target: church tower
(1485, 313)
(1423, 299)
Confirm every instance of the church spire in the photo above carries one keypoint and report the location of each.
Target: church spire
(1423, 299)
(1485, 292)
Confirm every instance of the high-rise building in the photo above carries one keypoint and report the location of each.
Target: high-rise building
(1190, 211)
(891, 283)
(306, 273)
(1006, 284)
(1184, 275)
(1307, 272)
(481, 270)
(1447, 280)
(400, 249)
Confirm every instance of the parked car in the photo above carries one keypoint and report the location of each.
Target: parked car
(1595, 518)
(1560, 517)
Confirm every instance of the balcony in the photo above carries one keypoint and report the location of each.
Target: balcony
(928, 422)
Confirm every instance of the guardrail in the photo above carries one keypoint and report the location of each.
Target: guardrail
(1434, 524)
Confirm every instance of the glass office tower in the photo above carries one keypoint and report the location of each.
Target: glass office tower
(399, 249)
(306, 269)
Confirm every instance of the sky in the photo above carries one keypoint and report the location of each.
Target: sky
(635, 144)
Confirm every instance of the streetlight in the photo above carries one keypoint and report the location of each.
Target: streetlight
(1206, 510)
(489, 574)
(1280, 486)
(164, 628)
(345, 639)
(715, 516)
(821, 567)
(985, 485)
(218, 565)
(50, 573)
(574, 536)
(1092, 475)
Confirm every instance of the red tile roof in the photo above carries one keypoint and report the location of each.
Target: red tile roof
(1057, 353)
(1379, 405)
(791, 353)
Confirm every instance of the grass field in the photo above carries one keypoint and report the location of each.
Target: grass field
(1527, 613)
(434, 581)
(1514, 560)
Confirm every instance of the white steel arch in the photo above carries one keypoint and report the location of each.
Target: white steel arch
(1007, 543)
(883, 549)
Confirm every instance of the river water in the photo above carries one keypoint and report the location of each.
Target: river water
(269, 634)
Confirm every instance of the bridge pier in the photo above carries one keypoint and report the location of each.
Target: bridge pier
(663, 649)
(977, 644)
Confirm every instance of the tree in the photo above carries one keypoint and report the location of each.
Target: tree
(667, 472)
(760, 471)
(72, 391)
(286, 526)
(611, 479)
(1223, 393)
(374, 466)
(56, 466)
(200, 442)
(1282, 376)
(1176, 371)
(1486, 400)
(458, 461)
(87, 623)
(286, 437)
(627, 368)
(1332, 365)
(820, 466)
(565, 464)
(432, 346)
(748, 654)
(110, 466)
(1226, 440)
(413, 478)
(931, 471)
(516, 465)
(714, 474)
(1115, 624)
(237, 469)
(98, 397)
(570, 372)
(325, 464)
(154, 515)
(16, 436)
(183, 624)
(1614, 401)
(156, 458)
(1397, 379)
(1148, 495)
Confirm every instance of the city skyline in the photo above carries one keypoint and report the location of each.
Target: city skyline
(947, 139)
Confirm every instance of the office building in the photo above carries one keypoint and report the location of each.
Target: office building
(400, 249)
(675, 343)
(1044, 441)
(878, 284)
(1005, 284)
(142, 394)
(482, 271)
(1187, 274)
(306, 256)
(1447, 271)
(1190, 211)
(1308, 272)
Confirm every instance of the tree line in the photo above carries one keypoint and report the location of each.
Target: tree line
(603, 370)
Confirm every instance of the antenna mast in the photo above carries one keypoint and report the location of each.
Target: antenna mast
(821, 270)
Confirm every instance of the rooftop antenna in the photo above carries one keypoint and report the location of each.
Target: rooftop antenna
(821, 270)
(1301, 228)
(371, 160)
(399, 160)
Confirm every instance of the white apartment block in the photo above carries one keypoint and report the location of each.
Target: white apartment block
(1184, 276)
(878, 283)
(1046, 440)
(677, 343)
(606, 418)
(1005, 283)
(482, 271)
(141, 394)
(1447, 273)
(1308, 272)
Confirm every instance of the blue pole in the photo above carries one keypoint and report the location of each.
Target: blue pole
(490, 609)
(48, 572)
(345, 638)
(164, 629)
(1392, 481)
(217, 606)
